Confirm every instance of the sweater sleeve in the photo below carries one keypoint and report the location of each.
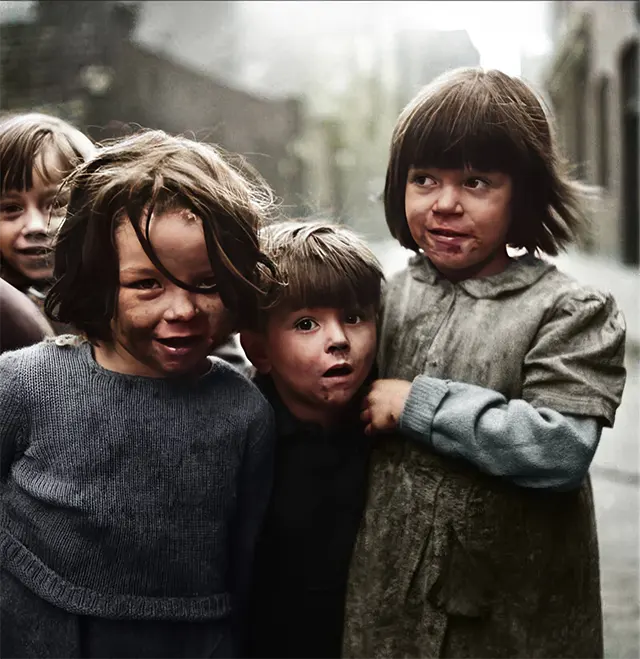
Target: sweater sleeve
(531, 447)
(254, 489)
(13, 419)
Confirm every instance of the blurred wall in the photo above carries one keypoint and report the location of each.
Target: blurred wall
(593, 80)
(78, 60)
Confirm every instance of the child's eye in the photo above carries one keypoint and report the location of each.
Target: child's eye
(10, 209)
(422, 179)
(306, 324)
(144, 284)
(476, 183)
(354, 318)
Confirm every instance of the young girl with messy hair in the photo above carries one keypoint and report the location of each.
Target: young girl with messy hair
(136, 468)
(498, 374)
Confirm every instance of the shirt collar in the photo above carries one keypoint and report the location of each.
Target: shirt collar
(521, 273)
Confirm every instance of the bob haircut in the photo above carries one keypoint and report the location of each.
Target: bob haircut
(133, 179)
(488, 121)
(321, 265)
(24, 141)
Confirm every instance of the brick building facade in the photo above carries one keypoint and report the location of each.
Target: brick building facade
(76, 59)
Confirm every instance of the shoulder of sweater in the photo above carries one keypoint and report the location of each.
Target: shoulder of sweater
(233, 377)
(28, 356)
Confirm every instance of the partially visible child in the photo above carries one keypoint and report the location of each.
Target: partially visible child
(21, 322)
(314, 349)
(37, 152)
(136, 468)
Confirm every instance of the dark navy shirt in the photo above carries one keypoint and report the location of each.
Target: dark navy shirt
(303, 555)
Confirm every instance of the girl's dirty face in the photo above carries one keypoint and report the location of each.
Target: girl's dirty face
(161, 329)
(460, 218)
(28, 222)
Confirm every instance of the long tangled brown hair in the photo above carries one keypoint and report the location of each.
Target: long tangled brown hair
(148, 173)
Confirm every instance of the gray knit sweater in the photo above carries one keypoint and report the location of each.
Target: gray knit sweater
(125, 496)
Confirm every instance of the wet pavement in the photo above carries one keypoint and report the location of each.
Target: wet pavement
(616, 486)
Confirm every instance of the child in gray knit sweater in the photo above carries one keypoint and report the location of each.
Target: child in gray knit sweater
(135, 468)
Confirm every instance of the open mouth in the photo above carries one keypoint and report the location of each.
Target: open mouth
(177, 342)
(447, 233)
(34, 251)
(340, 370)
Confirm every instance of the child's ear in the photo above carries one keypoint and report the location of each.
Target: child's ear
(254, 345)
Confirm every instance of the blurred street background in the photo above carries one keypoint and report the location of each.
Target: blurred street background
(309, 92)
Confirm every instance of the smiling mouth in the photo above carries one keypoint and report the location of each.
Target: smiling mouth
(341, 370)
(177, 342)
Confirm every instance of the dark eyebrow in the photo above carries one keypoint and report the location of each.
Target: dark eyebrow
(140, 272)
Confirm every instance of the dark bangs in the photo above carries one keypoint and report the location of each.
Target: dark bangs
(334, 284)
(465, 130)
(321, 265)
(469, 119)
(23, 148)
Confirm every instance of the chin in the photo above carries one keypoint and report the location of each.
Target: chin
(39, 276)
(340, 400)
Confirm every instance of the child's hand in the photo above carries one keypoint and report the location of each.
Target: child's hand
(382, 407)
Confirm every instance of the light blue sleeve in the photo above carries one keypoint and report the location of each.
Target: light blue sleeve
(531, 447)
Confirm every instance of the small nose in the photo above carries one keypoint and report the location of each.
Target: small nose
(337, 339)
(36, 222)
(182, 306)
(448, 200)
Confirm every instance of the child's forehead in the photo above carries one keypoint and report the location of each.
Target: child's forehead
(47, 170)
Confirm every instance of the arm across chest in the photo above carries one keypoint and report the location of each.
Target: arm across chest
(461, 338)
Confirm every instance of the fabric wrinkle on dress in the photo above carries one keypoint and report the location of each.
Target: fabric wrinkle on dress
(438, 567)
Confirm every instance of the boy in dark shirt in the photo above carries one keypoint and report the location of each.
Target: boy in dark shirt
(313, 349)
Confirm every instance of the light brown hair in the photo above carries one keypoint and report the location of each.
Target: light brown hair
(141, 176)
(26, 138)
(321, 264)
(488, 121)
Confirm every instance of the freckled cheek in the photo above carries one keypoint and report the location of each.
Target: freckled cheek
(135, 314)
(368, 346)
(302, 354)
(53, 223)
(8, 234)
(216, 313)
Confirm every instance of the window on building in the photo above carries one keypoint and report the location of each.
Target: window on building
(602, 109)
(630, 154)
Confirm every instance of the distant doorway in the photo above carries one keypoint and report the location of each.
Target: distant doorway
(630, 155)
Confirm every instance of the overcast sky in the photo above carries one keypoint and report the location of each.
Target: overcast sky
(501, 31)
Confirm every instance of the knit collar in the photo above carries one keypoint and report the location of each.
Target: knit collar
(522, 272)
(86, 351)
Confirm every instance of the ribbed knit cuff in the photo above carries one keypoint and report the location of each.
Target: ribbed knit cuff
(425, 396)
